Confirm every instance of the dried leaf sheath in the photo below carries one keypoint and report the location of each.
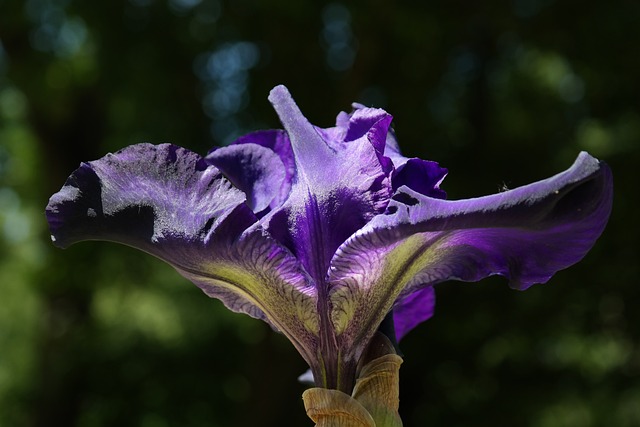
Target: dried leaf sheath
(374, 402)
(375, 398)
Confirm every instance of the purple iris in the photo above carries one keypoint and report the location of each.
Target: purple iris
(324, 232)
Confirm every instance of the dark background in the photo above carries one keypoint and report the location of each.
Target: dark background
(502, 93)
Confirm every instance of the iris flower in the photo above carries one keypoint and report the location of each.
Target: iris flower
(324, 233)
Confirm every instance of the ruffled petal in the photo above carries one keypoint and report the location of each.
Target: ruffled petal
(144, 195)
(391, 148)
(526, 235)
(166, 201)
(277, 141)
(254, 169)
(422, 176)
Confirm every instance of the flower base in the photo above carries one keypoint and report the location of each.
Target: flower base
(373, 403)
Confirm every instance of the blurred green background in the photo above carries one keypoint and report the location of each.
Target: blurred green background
(501, 92)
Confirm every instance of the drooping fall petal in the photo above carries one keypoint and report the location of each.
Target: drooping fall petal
(167, 201)
(413, 309)
(526, 235)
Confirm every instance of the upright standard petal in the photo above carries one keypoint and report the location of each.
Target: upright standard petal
(526, 235)
(268, 182)
(254, 169)
(166, 201)
(339, 186)
(341, 183)
(422, 176)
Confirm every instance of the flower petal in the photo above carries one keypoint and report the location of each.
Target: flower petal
(526, 234)
(166, 201)
(142, 195)
(278, 142)
(392, 150)
(423, 176)
(254, 169)
(412, 310)
(257, 276)
(339, 186)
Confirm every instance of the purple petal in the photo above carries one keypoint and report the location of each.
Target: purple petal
(412, 310)
(339, 186)
(392, 150)
(526, 234)
(422, 176)
(278, 142)
(145, 194)
(256, 170)
(166, 201)
(364, 121)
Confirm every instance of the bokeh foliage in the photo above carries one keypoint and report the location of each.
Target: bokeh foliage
(500, 92)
